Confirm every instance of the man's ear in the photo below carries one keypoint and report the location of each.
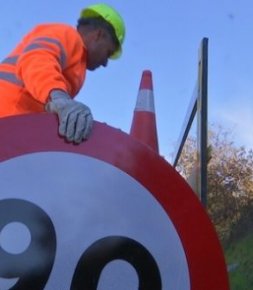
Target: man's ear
(99, 33)
(94, 35)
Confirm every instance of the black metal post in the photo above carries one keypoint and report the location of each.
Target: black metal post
(202, 122)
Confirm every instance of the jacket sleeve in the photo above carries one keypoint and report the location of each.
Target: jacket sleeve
(42, 62)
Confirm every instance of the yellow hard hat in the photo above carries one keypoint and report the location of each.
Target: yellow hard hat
(111, 16)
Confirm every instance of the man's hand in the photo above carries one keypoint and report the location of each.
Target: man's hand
(75, 119)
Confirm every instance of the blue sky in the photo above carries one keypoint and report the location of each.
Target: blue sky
(164, 37)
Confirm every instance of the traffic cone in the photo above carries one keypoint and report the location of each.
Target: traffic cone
(143, 126)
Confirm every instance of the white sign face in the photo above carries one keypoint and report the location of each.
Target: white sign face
(68, 220)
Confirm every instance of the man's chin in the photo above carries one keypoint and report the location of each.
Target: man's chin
(94, 67)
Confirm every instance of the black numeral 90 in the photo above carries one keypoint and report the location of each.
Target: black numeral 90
(34, 265)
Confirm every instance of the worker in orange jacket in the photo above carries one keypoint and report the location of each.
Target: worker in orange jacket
(47, 68)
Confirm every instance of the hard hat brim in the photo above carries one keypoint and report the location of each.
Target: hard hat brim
(117, 54)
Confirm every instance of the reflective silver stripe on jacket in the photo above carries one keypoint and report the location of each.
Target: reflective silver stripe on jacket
(38, 43)
(10, 60)
(35, 44)
(10, 77)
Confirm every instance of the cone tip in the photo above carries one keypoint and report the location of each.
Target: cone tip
(146, 80)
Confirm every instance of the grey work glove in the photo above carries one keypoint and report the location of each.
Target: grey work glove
(75, 119)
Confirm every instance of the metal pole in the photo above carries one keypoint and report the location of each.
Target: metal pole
(202, 130)
(191, 112)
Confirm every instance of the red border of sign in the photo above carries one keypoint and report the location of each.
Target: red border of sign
(26, 134)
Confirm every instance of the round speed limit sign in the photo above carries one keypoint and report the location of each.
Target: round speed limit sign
(108, 214)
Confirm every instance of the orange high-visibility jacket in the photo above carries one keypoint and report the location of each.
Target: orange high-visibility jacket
(51, 56)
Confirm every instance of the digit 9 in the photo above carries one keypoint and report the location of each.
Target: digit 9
(33, 266)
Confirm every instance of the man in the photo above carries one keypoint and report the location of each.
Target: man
(47, 68)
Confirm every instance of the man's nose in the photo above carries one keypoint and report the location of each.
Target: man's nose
(105, 63)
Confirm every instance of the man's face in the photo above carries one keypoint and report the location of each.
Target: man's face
(99, 48)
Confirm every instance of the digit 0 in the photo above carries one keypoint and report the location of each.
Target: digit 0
(33, 266)
(103, 251)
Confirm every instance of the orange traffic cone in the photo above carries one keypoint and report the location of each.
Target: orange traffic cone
(143, 125)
